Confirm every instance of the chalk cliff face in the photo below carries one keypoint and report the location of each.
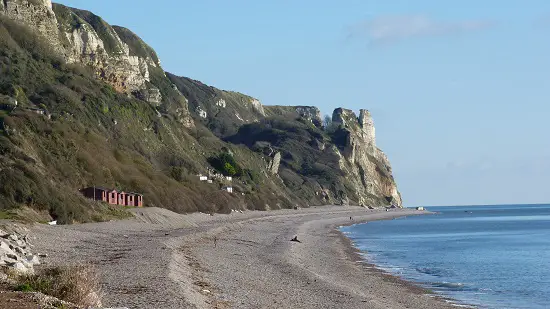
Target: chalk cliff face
(117, 56)
(365, 165)
(36, 13)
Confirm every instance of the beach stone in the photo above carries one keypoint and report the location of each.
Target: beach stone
(5, 248)
(12, 256)
(19, 250)
(20, 267)
(33, 259)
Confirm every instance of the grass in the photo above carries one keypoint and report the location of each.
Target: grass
(74, 284)
(8, 215)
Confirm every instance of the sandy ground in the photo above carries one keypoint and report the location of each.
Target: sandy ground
(164, 260)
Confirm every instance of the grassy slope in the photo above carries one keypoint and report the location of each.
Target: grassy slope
(308, 164)
(99, 137)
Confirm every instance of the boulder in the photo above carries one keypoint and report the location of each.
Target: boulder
(15, 253)
(32, 259)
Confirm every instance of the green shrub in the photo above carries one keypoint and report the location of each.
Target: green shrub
(226, 164)
(25, 287)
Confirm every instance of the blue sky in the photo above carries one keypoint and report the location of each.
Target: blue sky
(459, 90)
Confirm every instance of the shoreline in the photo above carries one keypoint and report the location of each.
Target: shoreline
(357, 255)
(242, 260)
(319, 272)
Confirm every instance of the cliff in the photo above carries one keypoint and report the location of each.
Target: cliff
(339, 164)
(84, 103)
(117, 56)
(367, 167)
(223, 112)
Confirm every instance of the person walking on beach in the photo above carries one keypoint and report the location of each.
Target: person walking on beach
(215, 241)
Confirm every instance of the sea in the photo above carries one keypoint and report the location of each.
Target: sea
(485, 256)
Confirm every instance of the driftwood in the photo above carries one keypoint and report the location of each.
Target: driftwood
(295, 239)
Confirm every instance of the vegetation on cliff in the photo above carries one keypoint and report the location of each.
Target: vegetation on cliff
(94, 136)
(63, 129)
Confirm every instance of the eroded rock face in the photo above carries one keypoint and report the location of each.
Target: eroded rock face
(37, 14)
(275, 163)
(367, 167)
(82, 37)
(311, 113)
(151, 95)
(257, 105)
(87, 35)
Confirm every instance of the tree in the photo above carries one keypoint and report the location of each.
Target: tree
(226, 164)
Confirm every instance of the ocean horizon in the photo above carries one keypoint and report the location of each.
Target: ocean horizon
(489, 256)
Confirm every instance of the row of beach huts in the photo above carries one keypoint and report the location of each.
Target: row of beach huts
(113, 197)
(131, 199)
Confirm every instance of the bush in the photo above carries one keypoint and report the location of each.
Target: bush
(225, 163)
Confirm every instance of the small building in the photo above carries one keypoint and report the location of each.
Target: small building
(95, 193)
(130, 199)
(136, 199)
(122, 198)
(203, 178)
(228, 189)
(113, 197)
(210, 181)
(228, 178)
(420, 208)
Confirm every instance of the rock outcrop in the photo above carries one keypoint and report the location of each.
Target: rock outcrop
(15, 253)
(310, 113)
(117, 56)
(364, 164)
(38, 14)
(93, 42)
(275, 163)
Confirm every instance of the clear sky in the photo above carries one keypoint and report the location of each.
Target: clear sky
(459, 89)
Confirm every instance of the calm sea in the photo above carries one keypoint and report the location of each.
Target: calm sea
(488, 256)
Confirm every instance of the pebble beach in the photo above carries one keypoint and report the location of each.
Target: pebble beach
(243, 260)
